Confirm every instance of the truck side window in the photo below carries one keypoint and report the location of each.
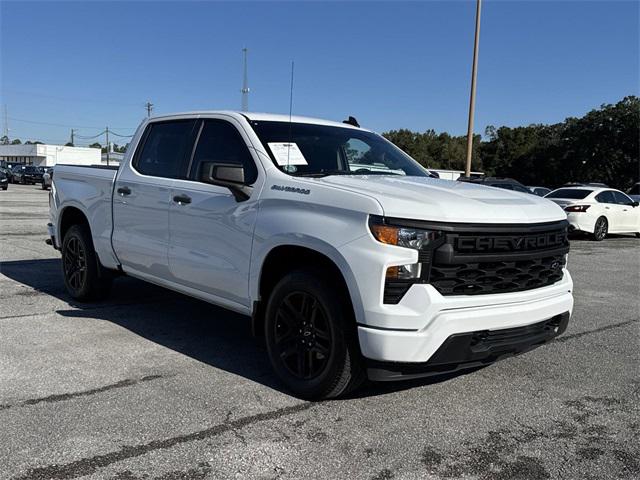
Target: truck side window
(164, 152)
(220, 142)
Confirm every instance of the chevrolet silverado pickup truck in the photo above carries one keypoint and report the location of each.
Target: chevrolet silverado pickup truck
(350, 259)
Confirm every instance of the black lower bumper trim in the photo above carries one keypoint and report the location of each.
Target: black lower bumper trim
(473, 349)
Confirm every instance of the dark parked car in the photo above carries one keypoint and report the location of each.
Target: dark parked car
(4, 181)
(7, 173)
(30, 174)
(505, 183)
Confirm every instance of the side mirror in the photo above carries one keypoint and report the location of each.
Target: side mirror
(635, 204)
(228, 175)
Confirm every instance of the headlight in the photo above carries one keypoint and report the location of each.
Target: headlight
(416, 238)
(408, 237)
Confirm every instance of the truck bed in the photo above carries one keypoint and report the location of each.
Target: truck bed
(88, 188)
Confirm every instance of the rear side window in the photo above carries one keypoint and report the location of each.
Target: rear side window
(220, 142)
(573, 193)
(166, 148)
(605, 197)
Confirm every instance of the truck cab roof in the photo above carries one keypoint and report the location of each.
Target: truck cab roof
(257, 116)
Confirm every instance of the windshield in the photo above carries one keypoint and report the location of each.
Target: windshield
(573, 193)
(303, 149)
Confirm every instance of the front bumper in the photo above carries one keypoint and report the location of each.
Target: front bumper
(432, 319)
(463, 351)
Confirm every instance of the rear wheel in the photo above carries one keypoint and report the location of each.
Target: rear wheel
(311, 337)
(600, 230)
(84, 277)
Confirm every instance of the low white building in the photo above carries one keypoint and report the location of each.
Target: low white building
(114, 158)
(453, 174)
(42, 155)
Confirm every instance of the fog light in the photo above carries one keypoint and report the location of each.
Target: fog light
(404, 272)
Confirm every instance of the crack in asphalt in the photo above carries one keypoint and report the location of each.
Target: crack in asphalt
(595, 330)
(84, 393)
(88, 466)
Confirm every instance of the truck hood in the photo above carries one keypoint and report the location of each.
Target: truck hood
(426, 198)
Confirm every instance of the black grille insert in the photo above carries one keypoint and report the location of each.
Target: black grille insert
(500, 262)
(475, 278)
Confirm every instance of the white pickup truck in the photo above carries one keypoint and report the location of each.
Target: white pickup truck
(350, 259)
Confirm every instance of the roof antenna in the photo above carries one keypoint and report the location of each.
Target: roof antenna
(290, 113)
(351, 121)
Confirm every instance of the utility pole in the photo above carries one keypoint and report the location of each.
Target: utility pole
(107, 132)
(6, 122)
(149, 107)
(245, 84)
(472, 99)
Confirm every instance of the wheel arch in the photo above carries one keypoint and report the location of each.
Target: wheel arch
(285, 257)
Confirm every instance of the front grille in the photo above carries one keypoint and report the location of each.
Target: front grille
(500, 261)
(476, 278)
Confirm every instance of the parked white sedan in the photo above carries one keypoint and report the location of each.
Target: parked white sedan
(598, 211)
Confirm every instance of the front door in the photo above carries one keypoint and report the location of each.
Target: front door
(629, 214)
(142, 195)
(211, 231)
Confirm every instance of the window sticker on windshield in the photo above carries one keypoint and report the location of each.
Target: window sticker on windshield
(287, 153)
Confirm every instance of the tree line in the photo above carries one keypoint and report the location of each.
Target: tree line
(601, 146)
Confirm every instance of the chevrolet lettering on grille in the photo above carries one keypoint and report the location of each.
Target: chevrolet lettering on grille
(511, 243)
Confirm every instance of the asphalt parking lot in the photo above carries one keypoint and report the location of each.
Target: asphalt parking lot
(154, 385)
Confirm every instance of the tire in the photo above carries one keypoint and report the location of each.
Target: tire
(84, 278)
(321, 359)
(600, 229)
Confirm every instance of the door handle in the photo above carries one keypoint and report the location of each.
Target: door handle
(124, 191)
(182, 199)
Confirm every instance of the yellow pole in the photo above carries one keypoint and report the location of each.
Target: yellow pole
(472, 100)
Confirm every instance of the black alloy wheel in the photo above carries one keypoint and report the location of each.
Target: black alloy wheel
(74, 260)
(600, 230)
(302, 335)
(84, 277)
(311, 335)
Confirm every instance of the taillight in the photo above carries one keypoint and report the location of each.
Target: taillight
(577, 208)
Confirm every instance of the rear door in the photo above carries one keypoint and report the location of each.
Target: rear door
(142, 196)
(211, 231)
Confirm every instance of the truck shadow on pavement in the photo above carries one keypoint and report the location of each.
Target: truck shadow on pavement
(204, 332)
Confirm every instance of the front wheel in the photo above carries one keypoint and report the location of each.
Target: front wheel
(84, 277)
(600, 229)
(311, 337)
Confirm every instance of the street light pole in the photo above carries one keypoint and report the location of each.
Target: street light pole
(472, 99)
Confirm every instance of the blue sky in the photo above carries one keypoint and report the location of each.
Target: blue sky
(392, 65)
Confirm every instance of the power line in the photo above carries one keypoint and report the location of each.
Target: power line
(22, 120)
(90, 137)
(118, 135)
